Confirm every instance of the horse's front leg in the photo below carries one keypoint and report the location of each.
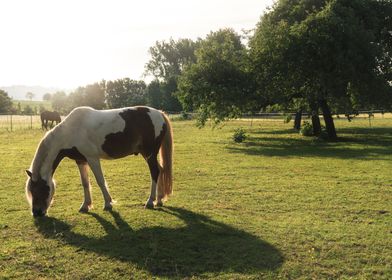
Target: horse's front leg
(154, 172)
(87, 203)
(95, 166)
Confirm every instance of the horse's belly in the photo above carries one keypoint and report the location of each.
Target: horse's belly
(118, 145)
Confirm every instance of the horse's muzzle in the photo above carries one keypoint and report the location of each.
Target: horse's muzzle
(38, 213)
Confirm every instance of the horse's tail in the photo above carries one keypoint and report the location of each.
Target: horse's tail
(165, 180)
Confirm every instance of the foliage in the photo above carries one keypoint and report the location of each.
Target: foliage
(27, 110)
(94, 95)
(125, 92)
(287, 117)
(306, 129)
(5, 102)
(239, 135)
(218, 84)
(185, 116)
(47, 97)
(168, 59)
(167, 62)
(59, 102)
(30, 95)
(316, 49)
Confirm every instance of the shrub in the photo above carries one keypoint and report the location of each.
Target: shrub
(287, 118)
(184, 116)
(306, 129)
(239, 135)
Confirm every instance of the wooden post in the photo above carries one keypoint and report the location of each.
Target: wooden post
(11, 121)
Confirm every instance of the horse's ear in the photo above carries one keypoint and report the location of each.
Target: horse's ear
(29, 173)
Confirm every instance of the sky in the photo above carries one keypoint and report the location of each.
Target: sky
(71, 43)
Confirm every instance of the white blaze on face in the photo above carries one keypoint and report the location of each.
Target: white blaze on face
(157, 121)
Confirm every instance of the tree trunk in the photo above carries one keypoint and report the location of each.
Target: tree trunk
(329, 124)
(315, 120)
(297, 120)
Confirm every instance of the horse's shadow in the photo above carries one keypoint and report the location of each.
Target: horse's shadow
(201, 246)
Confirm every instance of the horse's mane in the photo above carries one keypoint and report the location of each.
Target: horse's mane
(41, 153)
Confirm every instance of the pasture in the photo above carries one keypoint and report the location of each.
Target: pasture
(278, 205)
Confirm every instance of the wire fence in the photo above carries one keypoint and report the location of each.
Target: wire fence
(27, 122)
(17, 122)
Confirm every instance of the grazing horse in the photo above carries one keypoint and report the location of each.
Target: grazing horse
(49, 116)
(87, 135)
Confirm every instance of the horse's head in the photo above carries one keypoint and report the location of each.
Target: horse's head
(39, 194)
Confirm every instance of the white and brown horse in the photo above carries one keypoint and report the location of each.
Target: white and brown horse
(87, 135)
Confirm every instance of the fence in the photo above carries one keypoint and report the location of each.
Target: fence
(17, 122)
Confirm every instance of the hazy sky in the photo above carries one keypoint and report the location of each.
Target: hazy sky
(70, 43)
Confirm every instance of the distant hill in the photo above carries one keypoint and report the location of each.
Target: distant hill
(19, 92)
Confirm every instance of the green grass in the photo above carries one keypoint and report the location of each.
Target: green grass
(276, 206)
(32, 104)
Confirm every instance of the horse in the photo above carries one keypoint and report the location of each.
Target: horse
(87, 135)
(49, 116)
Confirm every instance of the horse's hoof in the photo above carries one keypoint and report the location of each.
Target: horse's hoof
(85, 209)
(149, 206)
(109, 206)
(159, 204)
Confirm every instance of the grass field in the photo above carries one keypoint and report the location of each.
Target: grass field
(276, 206)
(33, 104)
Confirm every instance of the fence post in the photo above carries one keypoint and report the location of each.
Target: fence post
(11, 121)
(31, 121)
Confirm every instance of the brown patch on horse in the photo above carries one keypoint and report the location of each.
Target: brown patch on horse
(138, 135)
(40, 192)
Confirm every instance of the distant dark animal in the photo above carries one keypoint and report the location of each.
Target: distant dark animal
(47, 116)
(87, 135)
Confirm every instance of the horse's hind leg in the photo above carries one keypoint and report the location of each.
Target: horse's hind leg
(87, 203)
(95, 166)
(154, 171)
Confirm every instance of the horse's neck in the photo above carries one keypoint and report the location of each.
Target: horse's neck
(45, 156)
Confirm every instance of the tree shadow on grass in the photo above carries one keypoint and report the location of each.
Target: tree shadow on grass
(354, 143)
(201, 246)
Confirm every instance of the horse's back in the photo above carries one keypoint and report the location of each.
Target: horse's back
(114, 133)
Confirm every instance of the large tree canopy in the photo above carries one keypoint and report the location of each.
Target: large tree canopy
(318, 49)
(218, 84)
(168, 59)
(125, 92)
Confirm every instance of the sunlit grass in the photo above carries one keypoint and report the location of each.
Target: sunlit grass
(277, 205)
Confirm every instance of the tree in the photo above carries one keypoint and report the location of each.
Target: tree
(94, 95)
(59, 102)
(154, 94)
(27, 110)
(47, 97)
(5, 102)
(30, 95)
(168, 60)
(125, 92)
(315, 49)
(218, 85)
(76, 98)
